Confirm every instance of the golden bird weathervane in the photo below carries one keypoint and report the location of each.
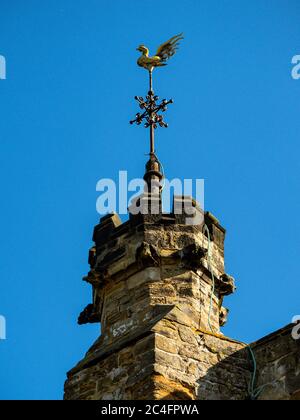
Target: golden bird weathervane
(149, 105)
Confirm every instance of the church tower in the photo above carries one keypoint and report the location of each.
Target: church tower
(158, 284)
(158, 289)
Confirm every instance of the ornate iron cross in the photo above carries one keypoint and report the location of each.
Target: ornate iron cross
(151, 114)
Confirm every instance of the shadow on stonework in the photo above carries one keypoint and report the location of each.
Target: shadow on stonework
(272, 373)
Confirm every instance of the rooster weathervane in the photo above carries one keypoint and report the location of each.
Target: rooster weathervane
(149, 106)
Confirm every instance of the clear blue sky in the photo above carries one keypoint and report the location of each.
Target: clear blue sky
(64, 111)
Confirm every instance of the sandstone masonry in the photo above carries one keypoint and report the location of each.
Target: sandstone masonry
(152, 294)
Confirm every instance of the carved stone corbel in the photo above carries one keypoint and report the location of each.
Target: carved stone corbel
(88, 315)
(97, 277)
(147, 255)
(223, 316)
(226, 285)
(192, 255)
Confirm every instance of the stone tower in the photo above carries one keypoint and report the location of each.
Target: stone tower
(160, 309)
(158, 294)
(158, 284)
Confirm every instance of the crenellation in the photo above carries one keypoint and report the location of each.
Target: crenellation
(160, 322)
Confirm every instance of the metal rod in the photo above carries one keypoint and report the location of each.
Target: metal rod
(151, 114)
(150, 81)
(152, 151)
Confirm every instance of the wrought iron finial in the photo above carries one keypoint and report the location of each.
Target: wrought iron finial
(151, 114)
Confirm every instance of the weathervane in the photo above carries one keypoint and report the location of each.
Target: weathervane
(149, 106)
